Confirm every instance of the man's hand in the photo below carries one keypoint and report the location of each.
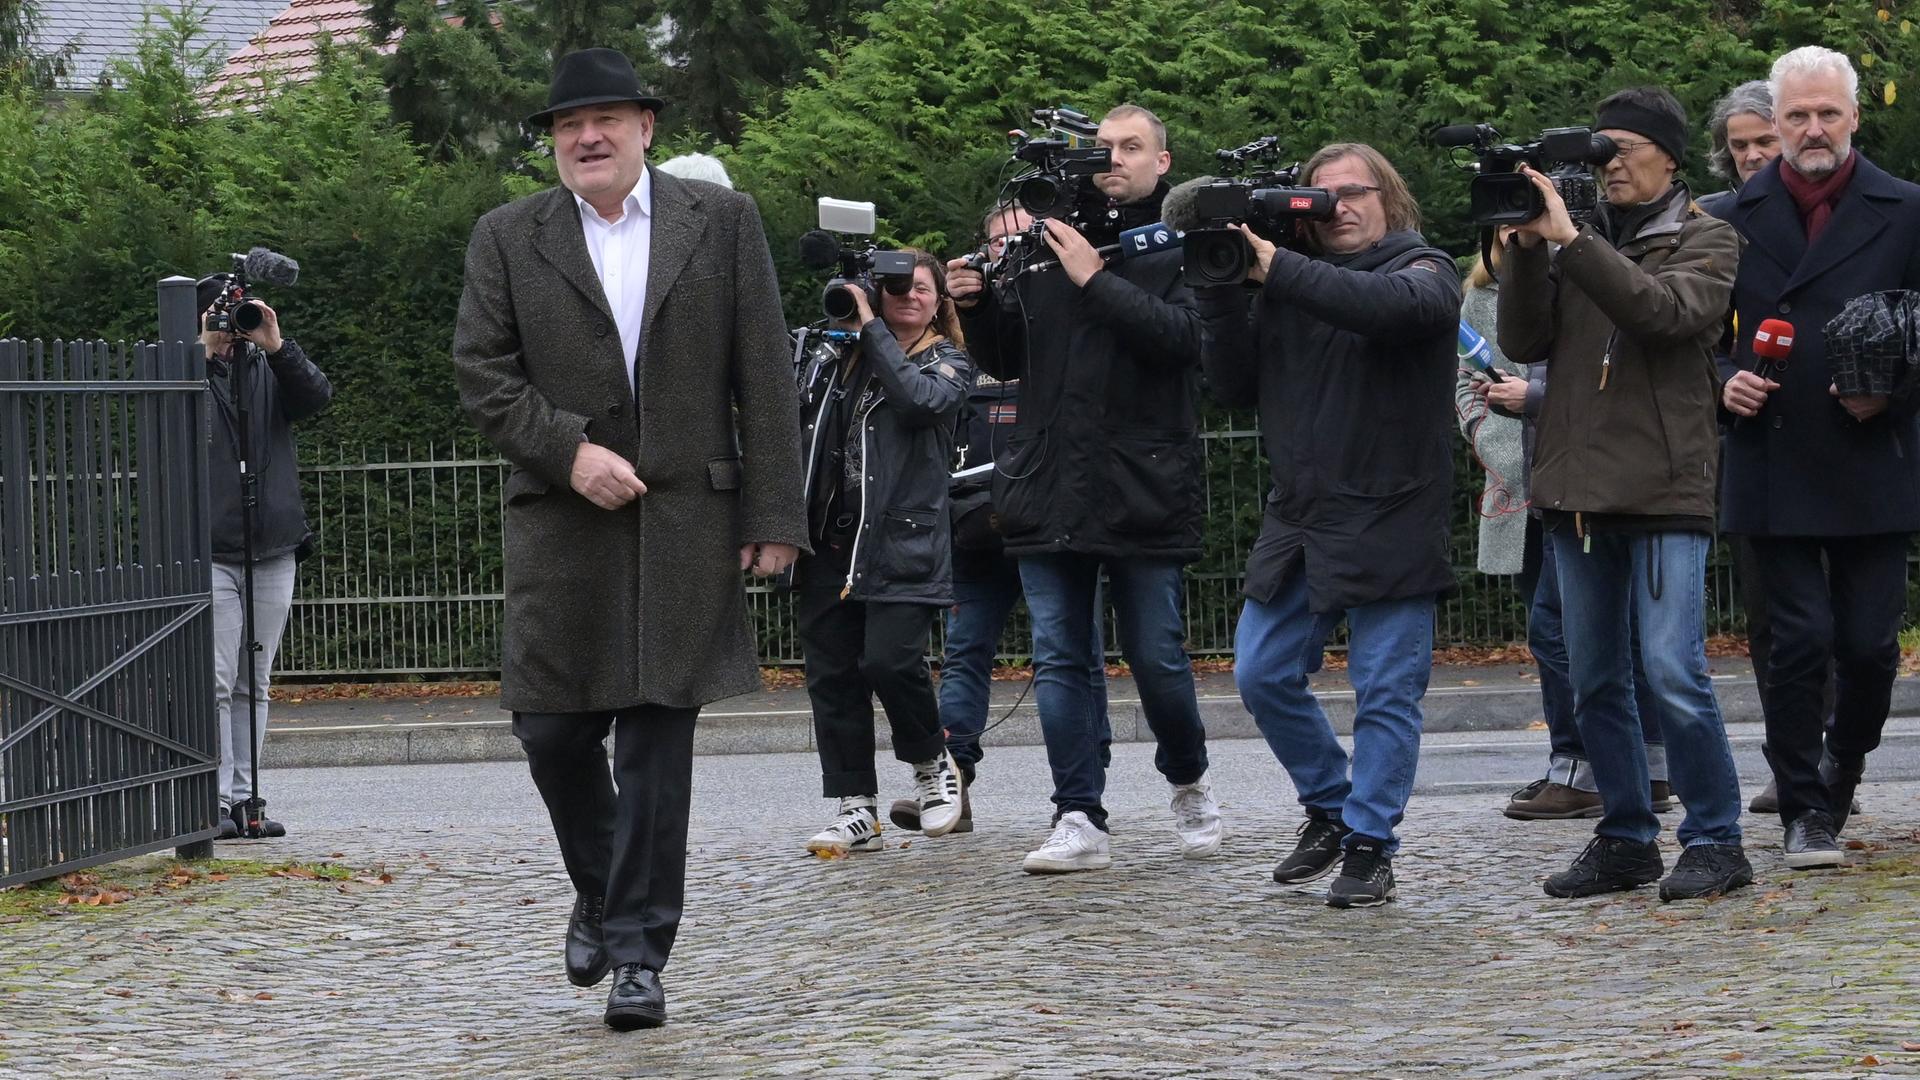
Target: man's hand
(1508, 395)
(964, 284)
(1862, 407)
(1077, 257)
(604, 477)
(1746, 393)
(1262, 255)
(267, 334)
(766, 560)
(1553, 224)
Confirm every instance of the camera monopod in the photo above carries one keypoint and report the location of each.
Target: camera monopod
(253, 810)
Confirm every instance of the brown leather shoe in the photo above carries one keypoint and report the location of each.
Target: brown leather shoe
(1543, 801)
(1662, 796)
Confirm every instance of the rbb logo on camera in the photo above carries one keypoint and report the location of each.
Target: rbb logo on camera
(1300, 202)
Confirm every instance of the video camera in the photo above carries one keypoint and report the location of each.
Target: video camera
(1253, 189)
(864, 268)
(1501, 195)
(235, 311)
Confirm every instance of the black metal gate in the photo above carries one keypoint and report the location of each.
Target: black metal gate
(108, 745)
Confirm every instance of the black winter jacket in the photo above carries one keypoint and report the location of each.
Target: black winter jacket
(1351, 361)
(285, 388)
(1105, 457)
(906, 407)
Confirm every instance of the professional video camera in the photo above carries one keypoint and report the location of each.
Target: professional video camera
(865, 267)
(1502, 195)
(1253, 189)
(1060, 161)
(235, 311)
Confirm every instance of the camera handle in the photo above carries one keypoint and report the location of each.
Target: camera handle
(253, 809)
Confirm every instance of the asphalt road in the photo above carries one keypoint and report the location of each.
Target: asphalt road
(777, 792)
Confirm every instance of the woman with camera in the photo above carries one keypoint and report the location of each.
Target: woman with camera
(878, 440)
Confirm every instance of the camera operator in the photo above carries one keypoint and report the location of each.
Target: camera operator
(283, 388)
(1628, 312)
(1349, 355)
(986, 582)
(879, 445)
(1103, 470)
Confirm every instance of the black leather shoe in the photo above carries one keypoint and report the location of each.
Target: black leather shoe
(269, 828)
(637, 1000)
(1842, 780)
(586, 947)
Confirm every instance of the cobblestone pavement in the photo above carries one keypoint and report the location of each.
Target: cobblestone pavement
(938, 958)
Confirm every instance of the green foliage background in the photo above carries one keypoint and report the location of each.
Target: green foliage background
(373, 174)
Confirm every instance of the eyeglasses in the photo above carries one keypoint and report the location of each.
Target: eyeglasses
(1628, 147)
(1352, 191)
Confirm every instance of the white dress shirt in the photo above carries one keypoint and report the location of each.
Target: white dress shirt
(621, 251)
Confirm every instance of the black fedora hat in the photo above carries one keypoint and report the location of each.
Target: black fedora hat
(593, 77)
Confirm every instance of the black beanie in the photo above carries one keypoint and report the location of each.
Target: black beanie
(208, 289)
(1667, 130)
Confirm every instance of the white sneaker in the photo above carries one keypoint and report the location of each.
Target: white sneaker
(937, 790)
(1076, 844)
(856, 828)
(1196, 817)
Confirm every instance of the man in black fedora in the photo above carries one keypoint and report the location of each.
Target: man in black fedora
(620, 341)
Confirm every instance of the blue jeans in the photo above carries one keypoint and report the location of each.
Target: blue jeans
(1657, 581)
(1279, 643)
(985, 589)
(1567, 755)
(1062, 595)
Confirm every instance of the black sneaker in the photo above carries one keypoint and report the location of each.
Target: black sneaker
(1811, 842)
(1706, 870)
(1842, 779)
(1313, 857)
(1607, 864)
(1366, 876)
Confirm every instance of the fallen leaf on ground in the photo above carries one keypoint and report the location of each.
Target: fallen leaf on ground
(1856, 845)
(1870, 1060)
(1537, 725)
(118, 992)
(829, 854)
(217, 877)
(1048, 1009)
(263, 996)
(1735, 1056)
(1910, 1047)
(226, 995)
(294, 870)
(526, 900)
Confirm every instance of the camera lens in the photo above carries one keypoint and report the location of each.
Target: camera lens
(1040, 195)
(247, 317)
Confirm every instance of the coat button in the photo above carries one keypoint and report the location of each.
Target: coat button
(1785, 307)
(613, 409)
(600, 330)
(1776, 423)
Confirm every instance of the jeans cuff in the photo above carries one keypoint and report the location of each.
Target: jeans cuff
(1573, 772)
(1657, 763)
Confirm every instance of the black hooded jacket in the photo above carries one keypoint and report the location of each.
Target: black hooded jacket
(1105, 457)
(1351, 361)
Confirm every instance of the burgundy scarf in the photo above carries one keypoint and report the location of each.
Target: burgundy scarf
(1817, 198)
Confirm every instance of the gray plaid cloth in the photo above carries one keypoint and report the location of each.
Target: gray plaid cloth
(1873, 345)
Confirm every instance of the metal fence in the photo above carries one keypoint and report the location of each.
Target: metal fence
(107, 740)
(406, 576)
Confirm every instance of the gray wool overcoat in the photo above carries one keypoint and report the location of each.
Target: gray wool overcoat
(607, 609)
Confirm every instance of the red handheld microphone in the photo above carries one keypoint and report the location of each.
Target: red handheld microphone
(1772, 344)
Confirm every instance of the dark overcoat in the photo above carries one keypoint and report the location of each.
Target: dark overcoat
(607, 609)
(1804, 466)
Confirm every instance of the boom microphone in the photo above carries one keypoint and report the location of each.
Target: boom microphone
(1772, 344)
(1179, 211)
(1462, 134)
(819, 249)
(260, 264)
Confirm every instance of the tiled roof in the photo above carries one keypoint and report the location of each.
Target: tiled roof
(103, 31)
(290, 44)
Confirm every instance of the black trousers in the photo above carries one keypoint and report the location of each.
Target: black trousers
(623, 835)
(1753, 603)
(1838, 601)
(854, 651)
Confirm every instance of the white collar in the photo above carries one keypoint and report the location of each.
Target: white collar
(638, 201)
